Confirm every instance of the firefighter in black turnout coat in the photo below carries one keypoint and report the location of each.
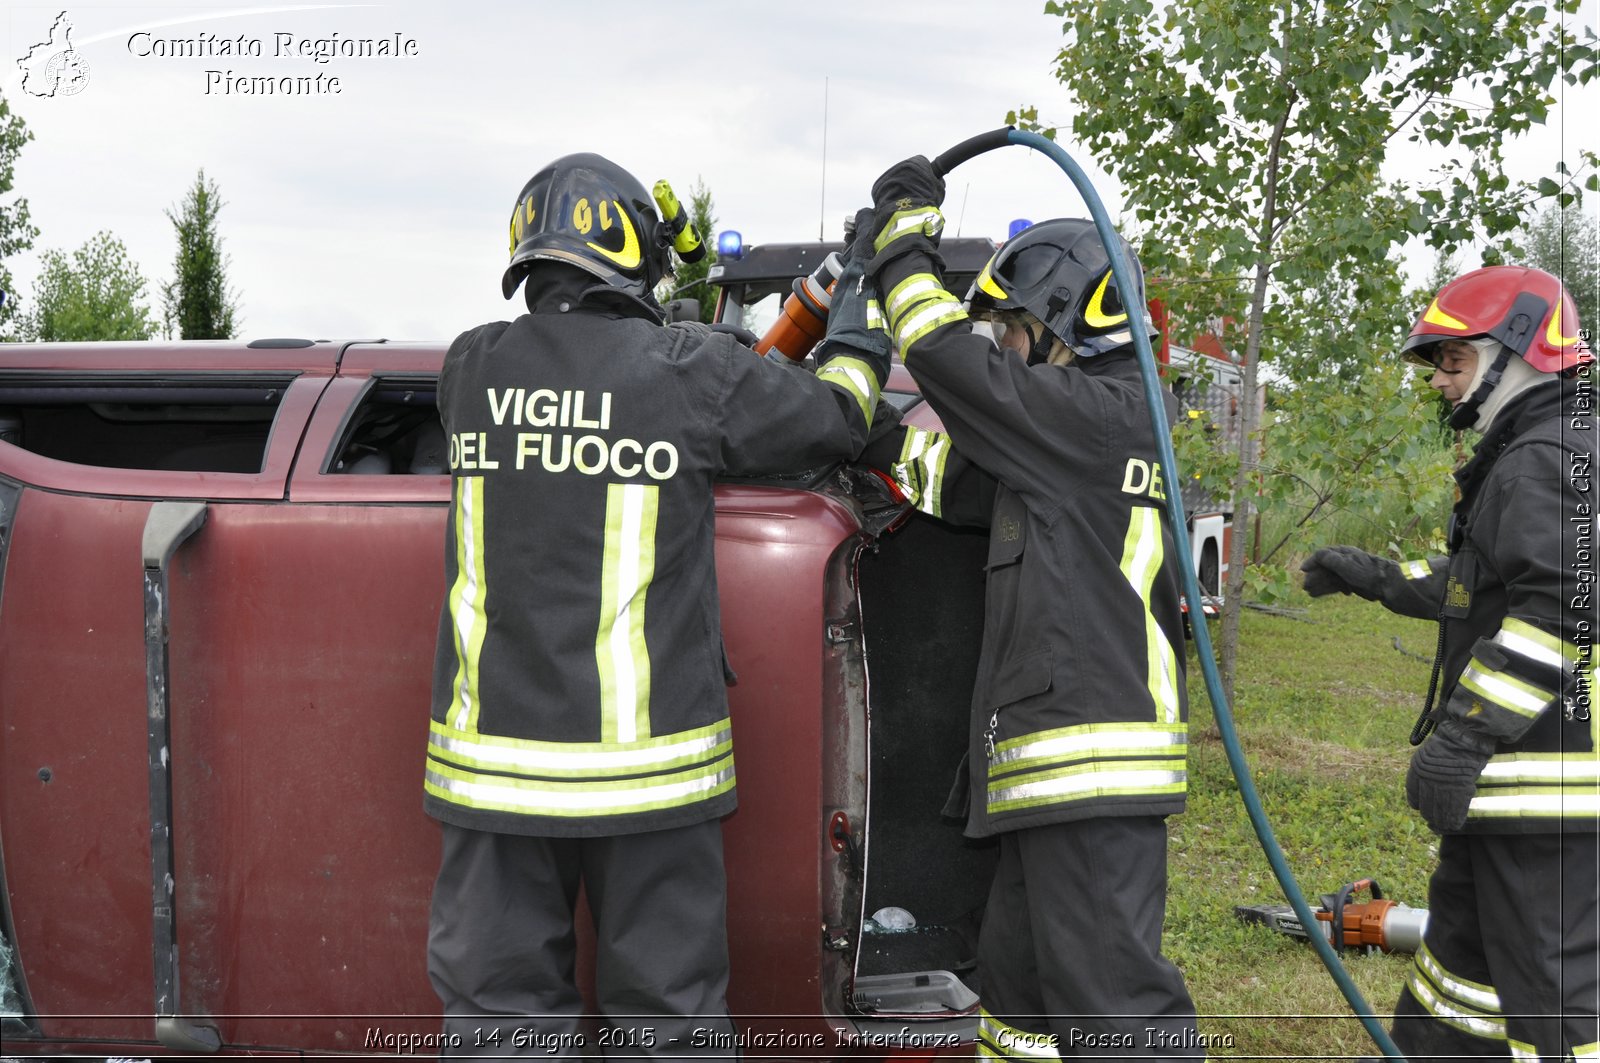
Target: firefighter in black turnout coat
(1078, 740)
(580, 729)
(1509, 961)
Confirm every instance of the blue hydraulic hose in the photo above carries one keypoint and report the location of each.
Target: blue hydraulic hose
(1191, 587)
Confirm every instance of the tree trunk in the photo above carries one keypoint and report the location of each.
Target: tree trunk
(1249, 422)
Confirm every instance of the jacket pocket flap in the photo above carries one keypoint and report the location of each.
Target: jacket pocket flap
(1022, 677)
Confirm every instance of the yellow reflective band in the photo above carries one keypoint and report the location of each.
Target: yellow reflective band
(1416, 569)
(1489, 1027)
(502, 793)
(621, 655)
(875, 320)
(910, 293)
(927, 221)
(1133, 778)
(628, 257)
(999, 1039)
(1095, 313)
(1530, 803)
(920, 470)
(1141, 559)
(1505, 690)
(590, 760)
(856, 377)
(468, 620)
(1435, 316)
(987, 285)
(1553, 334)
(945, 309)
(1474, 994)
(1524, 638)
(1090, 741)
(1588, 1051)
(1520, 1050)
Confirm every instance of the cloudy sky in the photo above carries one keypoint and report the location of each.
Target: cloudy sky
(380, 210)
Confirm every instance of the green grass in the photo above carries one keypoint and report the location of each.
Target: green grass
(1324, 705)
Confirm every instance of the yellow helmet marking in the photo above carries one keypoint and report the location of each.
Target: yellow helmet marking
(1435, 316)
(1094, 315)
(1553, 333)
(986, 284)
(582, 216)
(628, 257)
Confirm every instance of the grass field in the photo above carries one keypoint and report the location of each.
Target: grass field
(1325, 703)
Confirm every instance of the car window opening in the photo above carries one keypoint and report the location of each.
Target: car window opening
(187, 426)
(395, 431)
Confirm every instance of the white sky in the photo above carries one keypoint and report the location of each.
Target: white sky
(380, 211)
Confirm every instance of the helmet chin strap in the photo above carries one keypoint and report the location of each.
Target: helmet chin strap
(1040, 341)
(1466, 414)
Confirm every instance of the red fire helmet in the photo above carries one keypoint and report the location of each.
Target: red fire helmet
(1526, 309)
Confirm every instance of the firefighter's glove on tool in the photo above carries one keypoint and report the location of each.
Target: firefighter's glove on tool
(1345, 570)
(906, 216)
(1444, 775)
(855, 322)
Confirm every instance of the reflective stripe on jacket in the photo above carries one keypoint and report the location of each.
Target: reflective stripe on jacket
(579, 681)
(1079, 708)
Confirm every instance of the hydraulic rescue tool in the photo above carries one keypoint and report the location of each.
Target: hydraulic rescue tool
(1125, 280)
(804, 317)
(1379, 925)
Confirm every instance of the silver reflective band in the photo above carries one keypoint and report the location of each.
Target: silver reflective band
(912, 290)
(1504, 690)
(854, 379)
(574, 798)
(1568, 805)
(1095, 743)
(1088, 782)
(1487, 1026)
(1016, 1042)
(1513, 637)
(1555, 771)
(544, 758)
(924, 320)
(1479, 996)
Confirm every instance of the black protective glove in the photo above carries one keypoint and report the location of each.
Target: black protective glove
(1444, 775)
(906, 216)
(1345, 570)
(855, 322)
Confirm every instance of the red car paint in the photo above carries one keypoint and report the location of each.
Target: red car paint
(303, 617)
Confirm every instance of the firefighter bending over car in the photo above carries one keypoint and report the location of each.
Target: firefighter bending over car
(1509, 962)
(1078, 740)
(580, 730)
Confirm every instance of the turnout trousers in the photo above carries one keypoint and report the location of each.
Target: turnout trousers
(1509, 962)
(1070, 948)
(502, 944)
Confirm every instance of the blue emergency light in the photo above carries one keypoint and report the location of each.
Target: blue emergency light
(730, 244)
(1017, 225)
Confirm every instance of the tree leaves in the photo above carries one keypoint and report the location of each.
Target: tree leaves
(1250, 139)
(96, 293)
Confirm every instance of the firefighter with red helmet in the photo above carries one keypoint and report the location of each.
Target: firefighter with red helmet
(1510, 773)
(1078, 743)
(580, 733)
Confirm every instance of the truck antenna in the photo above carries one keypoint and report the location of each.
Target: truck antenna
(822, 204)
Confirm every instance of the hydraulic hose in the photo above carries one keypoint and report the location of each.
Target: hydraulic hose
(1120, 268)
